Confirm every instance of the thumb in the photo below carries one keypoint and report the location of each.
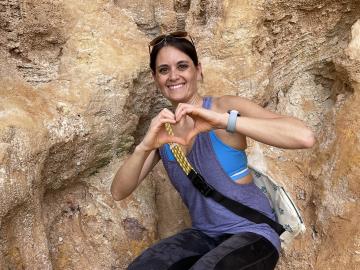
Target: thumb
(174, 139)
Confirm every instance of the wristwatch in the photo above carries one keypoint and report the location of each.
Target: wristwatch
(231, 124)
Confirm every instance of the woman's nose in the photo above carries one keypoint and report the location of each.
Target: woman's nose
(173, 75)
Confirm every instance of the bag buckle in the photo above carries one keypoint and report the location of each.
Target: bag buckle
(200, 183)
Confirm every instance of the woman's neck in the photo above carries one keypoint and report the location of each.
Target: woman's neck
(195, 100)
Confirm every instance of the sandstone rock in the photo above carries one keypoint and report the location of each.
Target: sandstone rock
(77, 95)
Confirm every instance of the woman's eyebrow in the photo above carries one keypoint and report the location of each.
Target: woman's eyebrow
(162, 65)
(183, 62)
(180, 62)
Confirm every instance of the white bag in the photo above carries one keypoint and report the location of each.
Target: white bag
(284, 207)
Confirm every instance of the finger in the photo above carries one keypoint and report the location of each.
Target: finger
(177, 110)
(166, 113)
(180, 108)
(174, 139)
(166, 120)
(183, 110)
(158, 123)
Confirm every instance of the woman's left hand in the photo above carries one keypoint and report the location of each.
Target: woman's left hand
(204, 120)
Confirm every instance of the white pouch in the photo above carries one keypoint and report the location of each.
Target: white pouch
(284, 207)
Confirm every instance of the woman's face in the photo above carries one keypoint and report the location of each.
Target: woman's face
(176, 75)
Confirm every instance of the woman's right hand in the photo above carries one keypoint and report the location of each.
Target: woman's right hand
(156, 135)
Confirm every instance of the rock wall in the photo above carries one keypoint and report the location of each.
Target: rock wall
(77, 95)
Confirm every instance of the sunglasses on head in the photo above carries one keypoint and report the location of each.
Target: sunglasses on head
(162, 38)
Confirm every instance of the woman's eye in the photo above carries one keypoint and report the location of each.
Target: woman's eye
(183, 66)
(163, 70)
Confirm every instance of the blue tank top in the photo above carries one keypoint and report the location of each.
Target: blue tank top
(206, 214)
(233, 161)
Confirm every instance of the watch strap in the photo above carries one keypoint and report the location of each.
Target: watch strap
(231, 124)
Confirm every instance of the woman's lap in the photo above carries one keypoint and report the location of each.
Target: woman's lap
(192, 249)
(185, 247)
(239, 252)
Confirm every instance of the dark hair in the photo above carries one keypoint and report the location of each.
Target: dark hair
(181, 44)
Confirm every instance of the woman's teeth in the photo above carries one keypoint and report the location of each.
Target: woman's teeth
(174, 87)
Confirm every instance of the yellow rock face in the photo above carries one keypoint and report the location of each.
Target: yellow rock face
(76, 95)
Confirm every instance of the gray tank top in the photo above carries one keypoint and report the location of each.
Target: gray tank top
(206, 214)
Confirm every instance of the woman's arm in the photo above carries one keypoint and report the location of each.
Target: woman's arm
(145, 156)
(283, 132)
(133, 171)
(268, 127)
(255, 122)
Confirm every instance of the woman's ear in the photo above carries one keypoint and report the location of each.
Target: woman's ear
(154, 78)
(153, 75)
(199, 75)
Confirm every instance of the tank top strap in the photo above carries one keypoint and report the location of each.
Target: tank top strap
(207, 101)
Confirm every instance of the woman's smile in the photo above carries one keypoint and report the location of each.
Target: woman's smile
(176, 86)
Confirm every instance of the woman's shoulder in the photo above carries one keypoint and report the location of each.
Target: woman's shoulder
(227, 102)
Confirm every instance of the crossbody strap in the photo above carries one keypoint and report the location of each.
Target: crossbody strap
(209, 191)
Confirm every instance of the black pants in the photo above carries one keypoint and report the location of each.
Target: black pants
(192, 249)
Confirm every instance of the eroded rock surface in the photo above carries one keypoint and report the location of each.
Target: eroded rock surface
(77, 95)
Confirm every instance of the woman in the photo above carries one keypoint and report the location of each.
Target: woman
(214, 142)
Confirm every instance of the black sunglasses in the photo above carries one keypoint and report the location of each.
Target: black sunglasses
(162, 38)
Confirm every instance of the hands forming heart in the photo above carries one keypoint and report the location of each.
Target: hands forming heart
(185, 129)
(202, 119)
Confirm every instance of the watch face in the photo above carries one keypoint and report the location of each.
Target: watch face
(234, 111)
